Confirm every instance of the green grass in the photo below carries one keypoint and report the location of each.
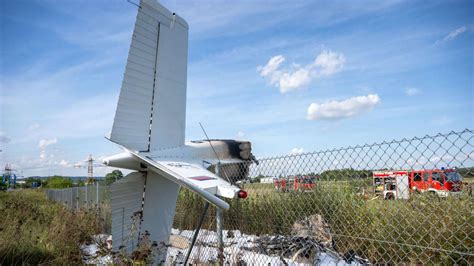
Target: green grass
(424, 229)
(34, 230)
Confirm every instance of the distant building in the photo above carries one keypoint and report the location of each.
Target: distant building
(267, 180)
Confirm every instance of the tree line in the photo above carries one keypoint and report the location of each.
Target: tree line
(58, 181)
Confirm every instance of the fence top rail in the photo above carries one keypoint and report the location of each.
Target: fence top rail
(377, 144)
(79, 187)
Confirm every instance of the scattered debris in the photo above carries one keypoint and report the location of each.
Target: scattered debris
(97, 251)
(309, 246)
(315, 228)
(242, 249)
(180, 242)
(300, 249)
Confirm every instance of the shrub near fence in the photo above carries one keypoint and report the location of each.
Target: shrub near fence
(35, 231)
(91, 197)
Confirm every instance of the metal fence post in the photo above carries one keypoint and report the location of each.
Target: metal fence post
(220, 242)
(97, 193)
(219, 227)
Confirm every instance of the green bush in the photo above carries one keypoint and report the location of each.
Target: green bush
(58, 182)
(34, 230)
(112, 177)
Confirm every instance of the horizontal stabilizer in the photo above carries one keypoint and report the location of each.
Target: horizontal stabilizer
(176, 176)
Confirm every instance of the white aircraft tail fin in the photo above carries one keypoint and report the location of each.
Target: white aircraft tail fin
(127, 208)
(158, 213)
(151, 109)
(143, 207)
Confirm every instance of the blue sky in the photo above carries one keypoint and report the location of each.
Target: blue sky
(290, 76)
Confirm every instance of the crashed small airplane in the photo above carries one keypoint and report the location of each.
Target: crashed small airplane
(149, 126)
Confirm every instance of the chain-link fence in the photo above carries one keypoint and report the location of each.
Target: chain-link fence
(92, 196)
(396, 202)
(405, 201)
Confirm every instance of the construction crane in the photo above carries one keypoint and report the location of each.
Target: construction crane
(90, 168)
(90, 174)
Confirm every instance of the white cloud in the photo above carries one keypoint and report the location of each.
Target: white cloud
(46, 158)
(295, 80)
(444, 158)
(44, 161)
(341, 109)
(453, 34)
(296, 151)
(34, 126)
(46, 142)
(412, 91)
(327, 63)
(272, 65)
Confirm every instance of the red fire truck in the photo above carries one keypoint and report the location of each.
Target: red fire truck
(438, 181)
(296, 183)
(391, 184)
(441, 182)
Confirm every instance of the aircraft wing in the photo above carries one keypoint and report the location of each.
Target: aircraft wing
(192, 176)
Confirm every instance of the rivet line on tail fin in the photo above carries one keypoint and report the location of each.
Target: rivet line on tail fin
(154, 86)
(123, 222)
(142, 209)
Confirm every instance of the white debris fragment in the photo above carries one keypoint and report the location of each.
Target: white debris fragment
(90, 250)
(237, 250)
